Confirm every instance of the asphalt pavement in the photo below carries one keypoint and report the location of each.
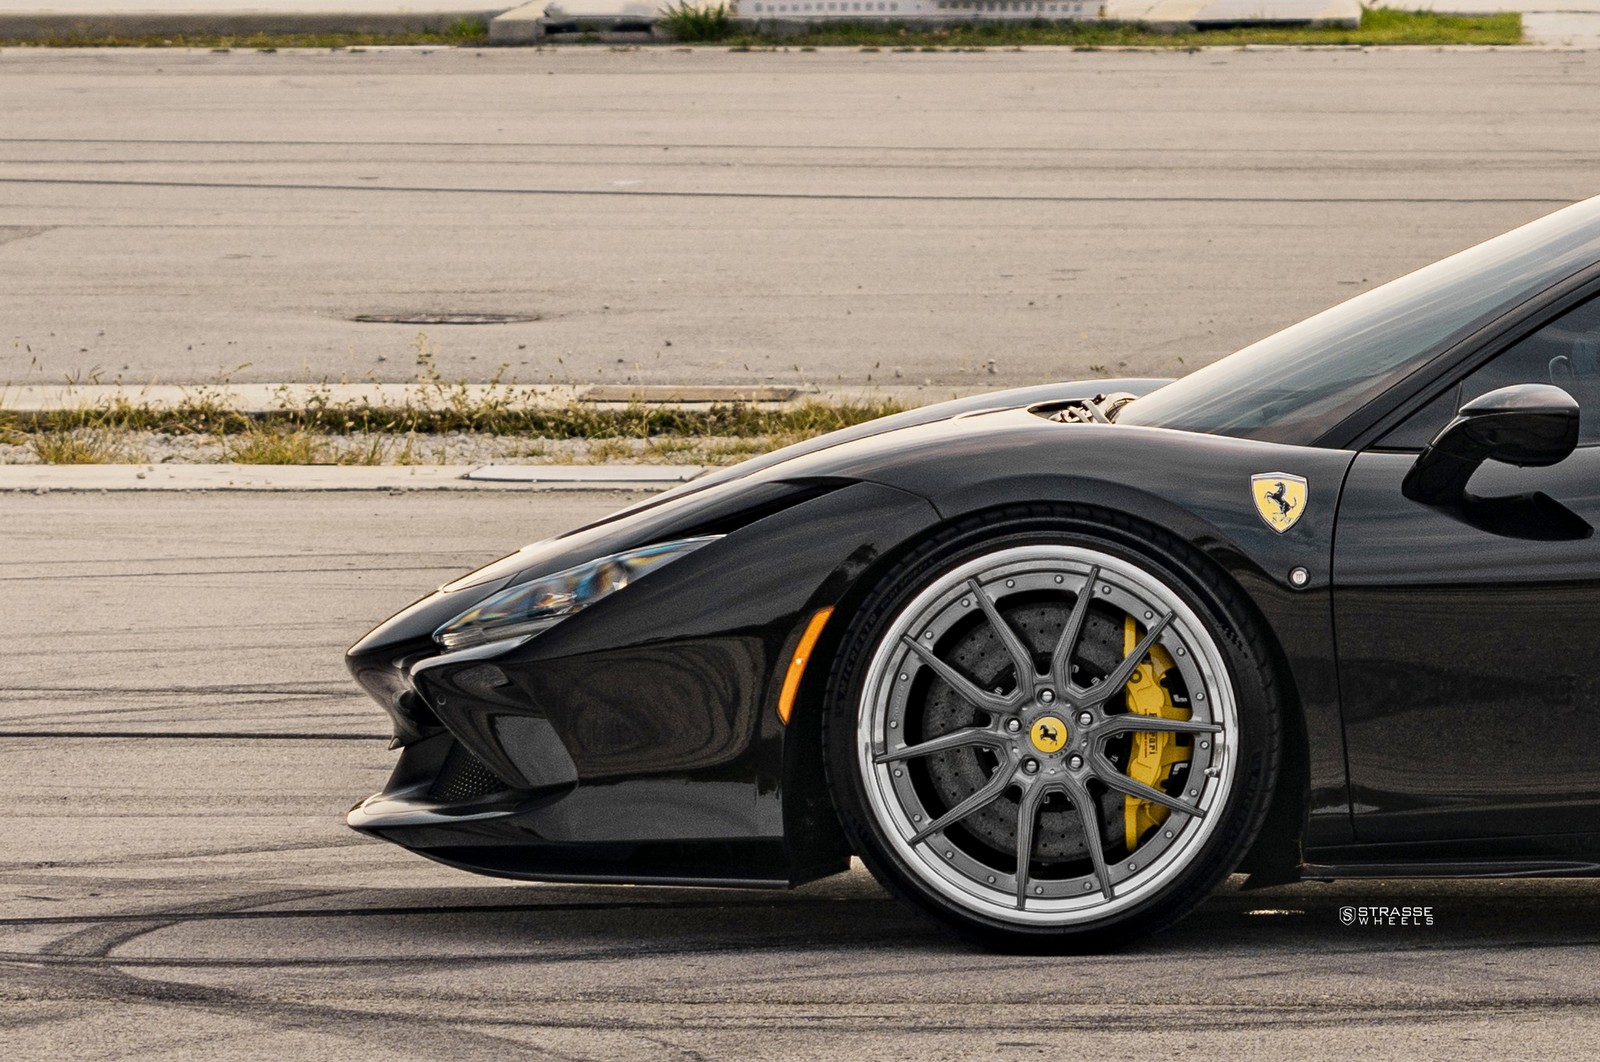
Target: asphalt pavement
(675, 216)
(181, 742)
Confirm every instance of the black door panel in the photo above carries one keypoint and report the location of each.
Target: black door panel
(1467, 656)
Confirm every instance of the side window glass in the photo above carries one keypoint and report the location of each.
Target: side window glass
(1419, 429)
(1565, 352)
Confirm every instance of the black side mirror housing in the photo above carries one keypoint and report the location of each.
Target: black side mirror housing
(1528, 425)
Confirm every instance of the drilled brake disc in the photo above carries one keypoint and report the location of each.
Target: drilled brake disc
(977, 651)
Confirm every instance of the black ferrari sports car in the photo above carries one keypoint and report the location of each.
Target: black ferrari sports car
(1055, 661)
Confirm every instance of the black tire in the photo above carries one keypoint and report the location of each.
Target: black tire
(958, 874)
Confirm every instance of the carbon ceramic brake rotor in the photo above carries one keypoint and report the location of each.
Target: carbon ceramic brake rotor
(957, 774)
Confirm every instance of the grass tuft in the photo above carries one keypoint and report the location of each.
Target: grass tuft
(315, 429)
(1379, 25)
(82, 446)
(460, 412)
(275, 446)
(697, 23)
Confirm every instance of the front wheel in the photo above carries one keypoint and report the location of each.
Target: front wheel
(1051, 739)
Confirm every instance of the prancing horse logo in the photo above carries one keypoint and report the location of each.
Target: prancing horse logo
(1049, 734)
(1280, 498)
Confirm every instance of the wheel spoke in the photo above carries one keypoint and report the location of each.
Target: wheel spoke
(955, 739)
(1021, 657)
(964, 686)
(943, 740)
(1121, 724)
(1124, 671)
(1061, 659)
(1123, 784)
(976, 802)
(1088, 814)
(1027, 813)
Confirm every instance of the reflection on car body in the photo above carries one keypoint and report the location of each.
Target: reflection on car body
(1055, 661)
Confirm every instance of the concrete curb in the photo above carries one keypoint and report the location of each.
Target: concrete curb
(528, 23)
(520, 25)
(282, 397)
(44, 479)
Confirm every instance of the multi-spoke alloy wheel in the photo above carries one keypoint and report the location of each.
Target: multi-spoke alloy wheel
(1046, 737)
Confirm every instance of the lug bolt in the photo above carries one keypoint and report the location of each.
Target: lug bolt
(1085, 718)
(1030, 766)
(1075, 761)
(1047, 695)
(1013, 725)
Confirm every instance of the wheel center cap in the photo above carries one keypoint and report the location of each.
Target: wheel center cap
(1048, 734)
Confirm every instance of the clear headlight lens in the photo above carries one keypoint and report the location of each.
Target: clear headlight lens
(531, 607)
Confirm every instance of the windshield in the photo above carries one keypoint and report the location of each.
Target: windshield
(1295, 386)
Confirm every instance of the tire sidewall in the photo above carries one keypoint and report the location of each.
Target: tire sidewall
(1241, 809)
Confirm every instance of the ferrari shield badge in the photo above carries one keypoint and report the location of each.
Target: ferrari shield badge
(1280, 498)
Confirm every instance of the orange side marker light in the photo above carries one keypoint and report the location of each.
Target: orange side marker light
(797, 666)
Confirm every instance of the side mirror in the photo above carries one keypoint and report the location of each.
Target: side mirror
(1529, 425)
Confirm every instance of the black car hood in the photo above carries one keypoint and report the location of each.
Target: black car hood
(994, 401)
(730, 495)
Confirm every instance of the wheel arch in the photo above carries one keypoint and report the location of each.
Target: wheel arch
(1275, 854)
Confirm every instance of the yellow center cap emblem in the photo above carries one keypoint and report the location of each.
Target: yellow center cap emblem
(1049, 734)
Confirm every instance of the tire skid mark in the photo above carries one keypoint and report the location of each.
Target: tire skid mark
(409, 1035)
(164, 857)
(177, 915)
(242, 689)
(822, 1016)
(96, 941)
(1234, 1017)
(461, 960)
(187, 735)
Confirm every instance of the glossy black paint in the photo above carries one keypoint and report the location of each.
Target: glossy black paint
(1466, 656)
(659, 703)
(1438, 687)
(1196, 486)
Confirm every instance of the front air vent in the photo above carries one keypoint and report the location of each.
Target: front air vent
(463, 778)
(1101, 409)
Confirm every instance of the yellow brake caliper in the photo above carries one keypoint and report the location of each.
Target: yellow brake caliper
(1151, 755)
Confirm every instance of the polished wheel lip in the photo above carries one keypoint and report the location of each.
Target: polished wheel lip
(989, 891)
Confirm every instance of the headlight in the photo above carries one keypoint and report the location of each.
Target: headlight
(531, 607)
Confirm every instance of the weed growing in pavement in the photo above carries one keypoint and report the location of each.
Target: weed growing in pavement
(1379, 25)
(82, 446)
(506, 411)
(86, 437)
(311, 426)
(275, 446)
(607, 450)
(697, 23)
